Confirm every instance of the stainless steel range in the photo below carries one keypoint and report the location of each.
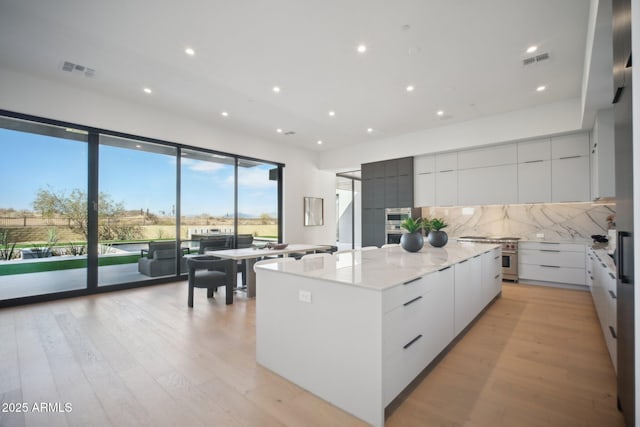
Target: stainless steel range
(509, 253)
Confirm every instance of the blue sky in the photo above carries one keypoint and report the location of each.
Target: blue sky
(139, 179)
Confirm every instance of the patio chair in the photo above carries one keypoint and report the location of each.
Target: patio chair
(160, 259)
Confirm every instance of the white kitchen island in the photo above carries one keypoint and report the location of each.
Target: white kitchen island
(356, 328)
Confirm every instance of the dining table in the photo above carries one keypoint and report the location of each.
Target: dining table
(253, 254)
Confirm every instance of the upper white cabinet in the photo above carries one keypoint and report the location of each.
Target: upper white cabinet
(488, 185)
(603, 179)
(484, 157)
(534, 151)
(534, 181)
(424, 164)
(446, 188)
(573, 145)
(570, 172)
(424, 181)
(446, 162)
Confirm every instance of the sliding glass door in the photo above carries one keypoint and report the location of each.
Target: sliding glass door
(136, 211)
(43, 209)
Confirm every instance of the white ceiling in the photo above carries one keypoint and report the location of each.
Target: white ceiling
(462, 56)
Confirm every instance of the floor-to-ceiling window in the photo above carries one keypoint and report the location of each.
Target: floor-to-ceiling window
(84, 207)
(207, 195)
(43, 208)
(258, 200)
(136, 211)
(348, 211)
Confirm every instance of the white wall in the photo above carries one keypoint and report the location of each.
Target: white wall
(30, 95)
(561, 117)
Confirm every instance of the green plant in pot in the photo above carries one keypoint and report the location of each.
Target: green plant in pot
(436, 237)
(412, 240)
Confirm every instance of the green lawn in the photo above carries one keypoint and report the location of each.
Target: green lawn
(51, 264)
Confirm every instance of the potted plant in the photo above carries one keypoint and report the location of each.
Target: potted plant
(412, 240)
(436, 237)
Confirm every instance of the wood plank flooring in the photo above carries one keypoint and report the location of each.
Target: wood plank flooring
(141, 357)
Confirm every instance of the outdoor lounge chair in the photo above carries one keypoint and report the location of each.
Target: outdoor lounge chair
(160, 259)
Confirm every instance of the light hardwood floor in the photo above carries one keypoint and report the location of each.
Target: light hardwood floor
(141, 357)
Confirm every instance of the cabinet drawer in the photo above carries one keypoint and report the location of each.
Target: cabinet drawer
(569, 247)
(401, 294)
(552, 274)
(552, 257)
(399, 369)
(402, 324)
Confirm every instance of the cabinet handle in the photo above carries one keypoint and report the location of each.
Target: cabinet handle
(443, 269)
(477, 256)
(447, 170)
(550, 266)
(569, 157)
(497, 275)
(612, 276)
(412, 280)
(603, 264)
(613, 332)
(549, 250)
(410, 343)
(550, 243)
(613, 296)
(533, 161)
(496, 257)
(591, 277)
(462, 262)
(425, 173)
(617, 95)
(412, 301)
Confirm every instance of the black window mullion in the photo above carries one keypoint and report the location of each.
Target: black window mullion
(92, 208)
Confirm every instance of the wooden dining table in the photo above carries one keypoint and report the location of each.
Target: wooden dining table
(251, 255)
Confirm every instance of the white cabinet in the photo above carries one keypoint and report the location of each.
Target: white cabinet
(416, 329)
(552, 262)
(447, 188)
(603, 290)
(424, 164)
(576, 144)
(446, 162)
(602, 156)
(424, 184)
(505, 154)
(534, 150)
(491, 274)
(488, 185)
(468, 296)
(534, 181)
(570, 180)
(570, 174)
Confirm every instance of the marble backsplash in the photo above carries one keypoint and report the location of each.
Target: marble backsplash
(557, 221)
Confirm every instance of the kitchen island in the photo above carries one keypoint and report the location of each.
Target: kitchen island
(356, 328)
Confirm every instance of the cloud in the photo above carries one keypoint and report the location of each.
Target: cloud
(253, 178)
(202, 166)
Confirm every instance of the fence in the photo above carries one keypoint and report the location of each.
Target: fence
(28, 221)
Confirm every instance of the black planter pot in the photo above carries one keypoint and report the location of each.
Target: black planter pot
(437, 239)
(412, 242)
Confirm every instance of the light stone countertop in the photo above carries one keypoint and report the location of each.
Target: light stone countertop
(382, 268)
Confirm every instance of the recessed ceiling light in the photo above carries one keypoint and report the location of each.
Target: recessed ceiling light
(369, 130)
(532, 49)
(541, 88)
(276, 89)
(440, 112)
(189, 51)
(225, 114)
(332, 113)
(410, 88)
(279, 130)
(138, 146)
(361, 48)
(147, 90)
(319, 142)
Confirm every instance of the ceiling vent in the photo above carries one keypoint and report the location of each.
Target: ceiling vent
(535, 59)
(78, 69)
(289, 133)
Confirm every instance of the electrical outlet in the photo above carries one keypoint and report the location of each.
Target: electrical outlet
(540, 235)
(304, 296)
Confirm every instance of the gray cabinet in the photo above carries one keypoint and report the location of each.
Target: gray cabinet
(386, 184)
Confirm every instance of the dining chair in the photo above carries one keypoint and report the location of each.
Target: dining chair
(208, 272)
